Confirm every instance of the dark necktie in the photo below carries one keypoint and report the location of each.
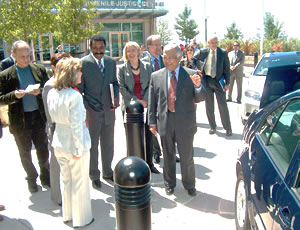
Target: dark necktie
(172, 92)
(101, 66)
(213, 65)
(156, 65)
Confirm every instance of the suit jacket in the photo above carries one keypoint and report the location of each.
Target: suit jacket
(68, 113)
(95, 86)
(148, 59)
(223, 66)
(126, 82)
(9, 82)
(237, 61)
(186, 97)
(6, 63)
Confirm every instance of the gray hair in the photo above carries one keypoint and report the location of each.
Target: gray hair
(151, 38)
(18, 43)
(171, 46)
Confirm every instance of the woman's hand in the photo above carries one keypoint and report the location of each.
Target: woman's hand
(75, 158)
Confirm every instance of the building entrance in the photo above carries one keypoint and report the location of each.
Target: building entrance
(117, 43)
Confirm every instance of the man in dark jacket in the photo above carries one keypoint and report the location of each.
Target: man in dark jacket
(20, 89)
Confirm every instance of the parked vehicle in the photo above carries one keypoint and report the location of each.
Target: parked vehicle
(267, 194)
(256, 83)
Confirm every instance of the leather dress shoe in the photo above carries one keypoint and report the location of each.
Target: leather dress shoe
(154, 170)
(85, 225)
(46, 182)
(96, 184)
(177, 159)
(111, 178)
(212, 131)
(192, 192)
(32, 187)
(156, 157)
(229, 100)
(239, 102)
(228, 133)
(169, 191)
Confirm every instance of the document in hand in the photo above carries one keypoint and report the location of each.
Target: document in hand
(222, 82)
(32, 87)
(111, 86)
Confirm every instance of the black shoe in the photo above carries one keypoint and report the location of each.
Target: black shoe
(169, 191)
(177, 159)
(229, 100)
(111, 178)
(228, 133)
(156, 157)
(32, 187)
(154, 170)
(45, 183)
(84, 225)
(96, 184)
(192, 192)
(212, 131)
(239, 102)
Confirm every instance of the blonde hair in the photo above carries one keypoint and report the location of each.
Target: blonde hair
(66, 73)
(131, 44)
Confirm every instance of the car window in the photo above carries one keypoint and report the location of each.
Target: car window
(282, 136)
(262, 68)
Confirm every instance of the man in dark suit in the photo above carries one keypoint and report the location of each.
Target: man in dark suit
(98, 72)
(20, 90)
(216, 66)
(236, 58)
(6, 63)
(173, 92)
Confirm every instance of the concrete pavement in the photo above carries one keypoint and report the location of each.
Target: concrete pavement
(212, 208)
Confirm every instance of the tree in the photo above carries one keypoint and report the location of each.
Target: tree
(74, 21)
(273, 29)
(164, 31)
(25, 19)
(185, 28)
(233, 32)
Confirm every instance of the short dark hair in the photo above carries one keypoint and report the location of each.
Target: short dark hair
(56, 57)
(97, 37)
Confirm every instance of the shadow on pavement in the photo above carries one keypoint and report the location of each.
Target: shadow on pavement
(15, 224)
(101, 212)
(159, 202)
(200, 152)
(204, 202)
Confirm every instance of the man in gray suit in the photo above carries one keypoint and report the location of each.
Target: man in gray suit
(98, 72)
(173, 92)
(236, 58)
(215, 68)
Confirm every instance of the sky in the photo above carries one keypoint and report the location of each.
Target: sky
(247, 14)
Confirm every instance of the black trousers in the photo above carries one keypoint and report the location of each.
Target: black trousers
(34, 132)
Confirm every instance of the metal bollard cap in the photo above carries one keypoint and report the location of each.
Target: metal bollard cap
(135, 107)
(132, 172)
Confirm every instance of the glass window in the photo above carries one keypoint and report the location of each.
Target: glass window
(137, 27)
(137, 36)
(263, 66)
(285, 135)
(125, 26)
(112, 27)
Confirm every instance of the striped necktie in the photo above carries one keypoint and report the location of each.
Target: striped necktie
(213, 65)
(101, 66)
(172, 92)
(156, 65)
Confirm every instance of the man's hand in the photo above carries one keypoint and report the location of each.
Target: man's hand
(232, 67)
(144, 103)
(226, 87)
(116, 104)
(20, 93)
(153, 129)
(196, 79)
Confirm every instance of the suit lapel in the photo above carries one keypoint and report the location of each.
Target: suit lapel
(143, 79)
(164, 81)
(131, 78)
(181, 78)
(34, 73)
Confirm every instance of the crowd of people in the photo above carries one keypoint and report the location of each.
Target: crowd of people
(69, 111)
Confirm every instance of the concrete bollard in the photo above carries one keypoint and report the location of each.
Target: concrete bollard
(135, 129)
(132, 194)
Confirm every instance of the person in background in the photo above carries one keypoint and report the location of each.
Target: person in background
(98, 74)
(173, 92)
(59, 49)
(187, 60)
(237, 59)
(71, 142)
(134, 77)
(216, 66)
(7, 62)
(20, 89)
(144, 52)
(196, 46)
(54, 166)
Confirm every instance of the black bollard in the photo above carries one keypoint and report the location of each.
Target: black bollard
(255, 58)
(132, 194)
(135, 129)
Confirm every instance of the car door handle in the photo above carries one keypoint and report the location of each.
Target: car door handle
(284, 215)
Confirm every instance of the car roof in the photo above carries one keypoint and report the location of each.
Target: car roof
(283, 76)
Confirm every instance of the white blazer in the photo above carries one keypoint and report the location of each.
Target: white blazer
(68, 113)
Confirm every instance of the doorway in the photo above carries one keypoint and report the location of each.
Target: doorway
(117, 43)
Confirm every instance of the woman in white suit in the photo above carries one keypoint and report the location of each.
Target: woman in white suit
(71, 142)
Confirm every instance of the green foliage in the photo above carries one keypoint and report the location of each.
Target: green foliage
(185, 28)
(226, 44)
(273, 29)
(74, 21)
(233, 32)
(25, 19)
(164, 31)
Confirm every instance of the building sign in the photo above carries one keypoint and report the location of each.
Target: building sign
(126, 4)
